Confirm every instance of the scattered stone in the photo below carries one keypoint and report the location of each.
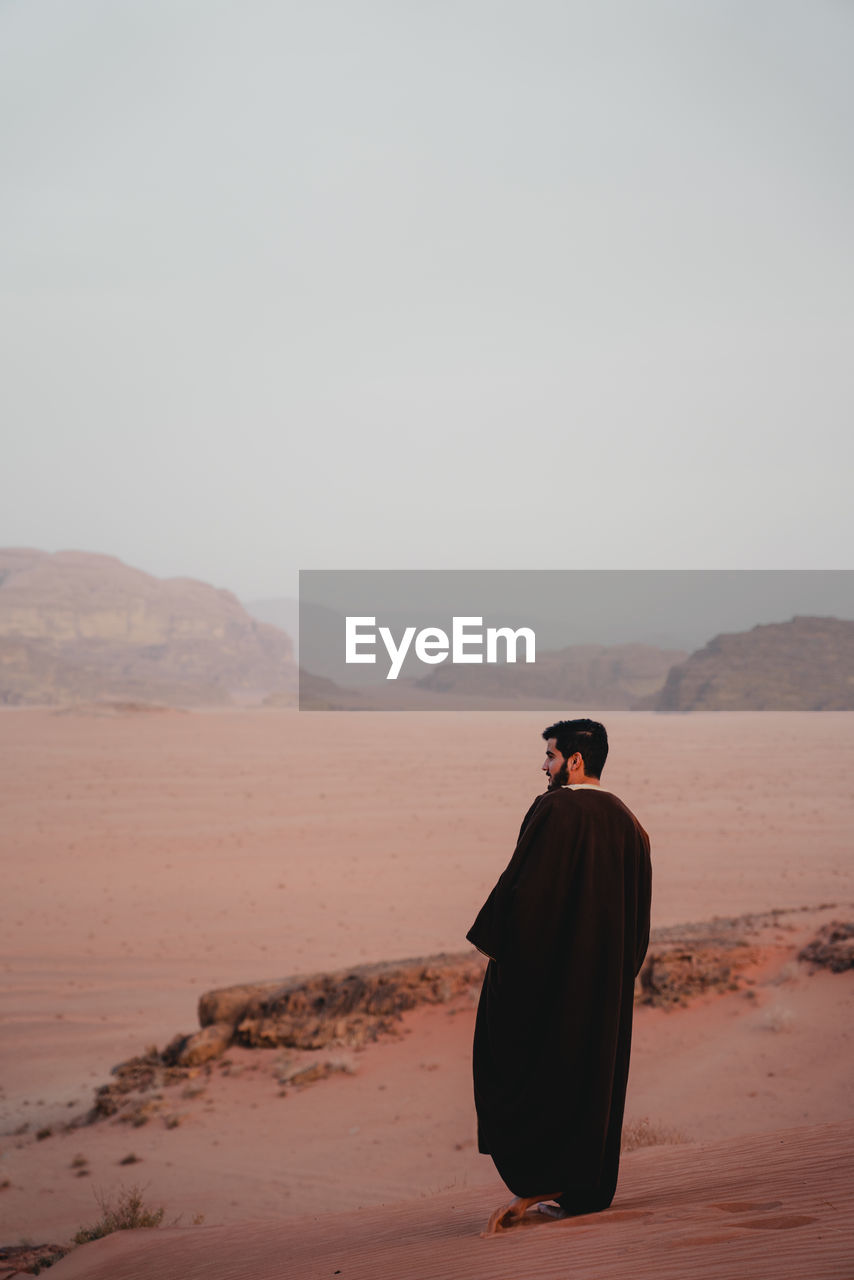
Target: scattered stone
(302, 1073)
(193, 1050)
(135, 1094)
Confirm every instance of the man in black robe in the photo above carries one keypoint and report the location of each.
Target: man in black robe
(566, 929)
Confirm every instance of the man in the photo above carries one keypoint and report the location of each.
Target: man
(566, 929)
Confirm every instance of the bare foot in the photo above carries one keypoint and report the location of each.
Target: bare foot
(510, 1215)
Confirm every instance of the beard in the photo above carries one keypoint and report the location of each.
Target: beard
(560, 779)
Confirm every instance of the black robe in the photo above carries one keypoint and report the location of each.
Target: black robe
(566, 929)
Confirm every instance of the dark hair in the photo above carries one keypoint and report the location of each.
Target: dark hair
(587, 737)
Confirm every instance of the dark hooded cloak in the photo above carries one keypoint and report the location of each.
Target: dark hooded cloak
(566, 929)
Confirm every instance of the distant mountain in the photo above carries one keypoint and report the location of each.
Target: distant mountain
(282, 613)
(806, 664)
(608, 677)
(75, 626)
(317, 693)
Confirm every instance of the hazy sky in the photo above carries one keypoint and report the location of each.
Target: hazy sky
(427, 284)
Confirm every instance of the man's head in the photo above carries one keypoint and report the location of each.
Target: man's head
(576, 751)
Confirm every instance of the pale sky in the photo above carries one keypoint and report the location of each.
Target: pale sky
(433, 284)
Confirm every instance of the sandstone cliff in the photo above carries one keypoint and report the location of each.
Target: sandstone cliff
(806, 664)
(76, 626)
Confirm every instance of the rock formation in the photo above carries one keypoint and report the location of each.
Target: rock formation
(806, 664)
(77, 627)
(348, 1008)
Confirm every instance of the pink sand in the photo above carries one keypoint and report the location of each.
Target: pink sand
(151, 857)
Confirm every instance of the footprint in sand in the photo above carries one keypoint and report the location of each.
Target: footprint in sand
(783, 1222)
(748, 1206)
(703, 1242)
(780, 1222)
(625, 1215)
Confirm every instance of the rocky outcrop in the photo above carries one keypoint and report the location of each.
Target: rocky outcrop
(806, 664)
(76, 627)
(320, 1021)
(320, 1015)
(346, 1008)
(349, 1007)
(674, 975)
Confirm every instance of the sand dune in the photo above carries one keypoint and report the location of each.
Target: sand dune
(150, 858)
(775, 1206)
(234, 1141)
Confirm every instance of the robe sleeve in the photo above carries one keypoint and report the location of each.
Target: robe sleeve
(515, 917)
(644, 903)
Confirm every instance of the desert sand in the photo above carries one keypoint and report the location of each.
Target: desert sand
(151, 856)
(713, 1218)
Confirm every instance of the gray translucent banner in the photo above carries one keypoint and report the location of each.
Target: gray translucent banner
(576, 640)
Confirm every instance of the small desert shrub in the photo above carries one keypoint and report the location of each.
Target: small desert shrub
(776, 1017)
(643, 1133)
(126, 1213)
(789, 973)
